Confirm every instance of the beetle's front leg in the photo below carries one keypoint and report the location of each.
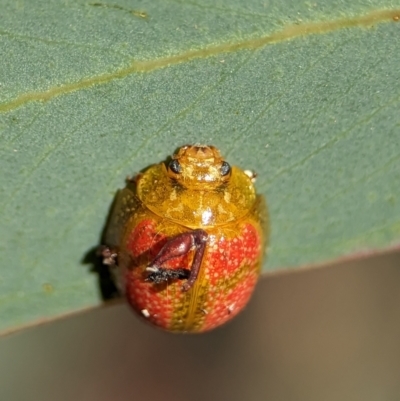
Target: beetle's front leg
(179, 245)
(109, 255)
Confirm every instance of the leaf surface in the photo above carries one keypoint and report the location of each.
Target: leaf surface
(305, 93)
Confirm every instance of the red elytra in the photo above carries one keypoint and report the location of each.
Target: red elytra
(189, 240)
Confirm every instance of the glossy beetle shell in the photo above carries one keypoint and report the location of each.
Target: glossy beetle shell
(193, 192)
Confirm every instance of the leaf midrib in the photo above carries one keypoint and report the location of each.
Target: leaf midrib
(288, 33)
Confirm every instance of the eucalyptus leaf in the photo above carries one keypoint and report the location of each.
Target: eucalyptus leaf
(305, 93)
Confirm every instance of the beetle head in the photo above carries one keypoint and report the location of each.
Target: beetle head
(199, 167)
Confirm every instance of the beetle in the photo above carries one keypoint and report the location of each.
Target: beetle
(185, 240)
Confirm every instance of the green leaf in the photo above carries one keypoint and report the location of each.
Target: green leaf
(305, 93)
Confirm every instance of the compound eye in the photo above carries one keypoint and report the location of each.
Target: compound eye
(174, 166)
(225, 168)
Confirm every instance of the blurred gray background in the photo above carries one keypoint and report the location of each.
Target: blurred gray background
(331, 333)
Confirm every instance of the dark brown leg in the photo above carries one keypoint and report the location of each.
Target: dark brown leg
(109, 255)
(178, 246)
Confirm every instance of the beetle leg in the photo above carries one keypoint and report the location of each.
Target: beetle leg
(133, 179)
(160, 275)
(109, 255)
(178, 246)
(200, 241)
